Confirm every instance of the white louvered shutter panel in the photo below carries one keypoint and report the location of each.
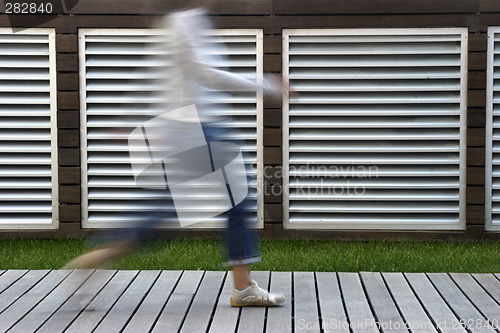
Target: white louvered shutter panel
(119, 73)
(376, 137)
(493, 131)
(28, 145)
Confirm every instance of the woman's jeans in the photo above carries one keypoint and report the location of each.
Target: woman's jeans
(241, 239)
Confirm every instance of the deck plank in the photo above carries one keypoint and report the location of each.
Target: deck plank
(55, 299)
(11, 276)
(29, 300)
(490, 283)
(330, 303)
(436, 307)
(382, 303)
(20, 287)
(252, 319)
(157, 297)
(123, 309)
(226, 316)
(459, 303)
(2, 271)
(358, 310)
(200, 312)
(305, 305)
(173, 313)
(483, 302)
(279, 318)
(412, 311)
(93, 314)
(63, 317)
(193, 301)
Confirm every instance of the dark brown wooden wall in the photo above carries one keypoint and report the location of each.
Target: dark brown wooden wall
(272, 16)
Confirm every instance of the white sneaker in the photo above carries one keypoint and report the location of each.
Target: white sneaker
(253, 295)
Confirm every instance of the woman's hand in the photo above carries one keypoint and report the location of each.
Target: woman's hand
(280, 87)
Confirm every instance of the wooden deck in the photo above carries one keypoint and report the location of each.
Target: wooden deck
(198, 301)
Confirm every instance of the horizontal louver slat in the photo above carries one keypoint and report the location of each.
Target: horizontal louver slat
(384, 195)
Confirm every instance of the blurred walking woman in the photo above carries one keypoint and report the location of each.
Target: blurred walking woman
(191, 79)
(194, 75)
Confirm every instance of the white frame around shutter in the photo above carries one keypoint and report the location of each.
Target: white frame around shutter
(148, 35)
(28, 129)
(492, 161)
(393, 99)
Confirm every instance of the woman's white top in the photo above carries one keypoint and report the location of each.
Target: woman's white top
(192, 72)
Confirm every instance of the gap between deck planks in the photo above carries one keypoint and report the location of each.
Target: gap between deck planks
(198, 301)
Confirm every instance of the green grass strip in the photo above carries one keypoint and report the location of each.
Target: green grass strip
(278, 255)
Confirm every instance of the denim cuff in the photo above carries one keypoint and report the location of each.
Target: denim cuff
(243, 261)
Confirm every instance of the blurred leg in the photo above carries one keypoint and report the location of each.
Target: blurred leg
(123, 242)
(242, 244)
(241, 239)
(98, 257)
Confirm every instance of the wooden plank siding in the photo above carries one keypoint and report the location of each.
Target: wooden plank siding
(272, 16)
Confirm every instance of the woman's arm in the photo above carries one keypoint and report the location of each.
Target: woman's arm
(198, 67)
